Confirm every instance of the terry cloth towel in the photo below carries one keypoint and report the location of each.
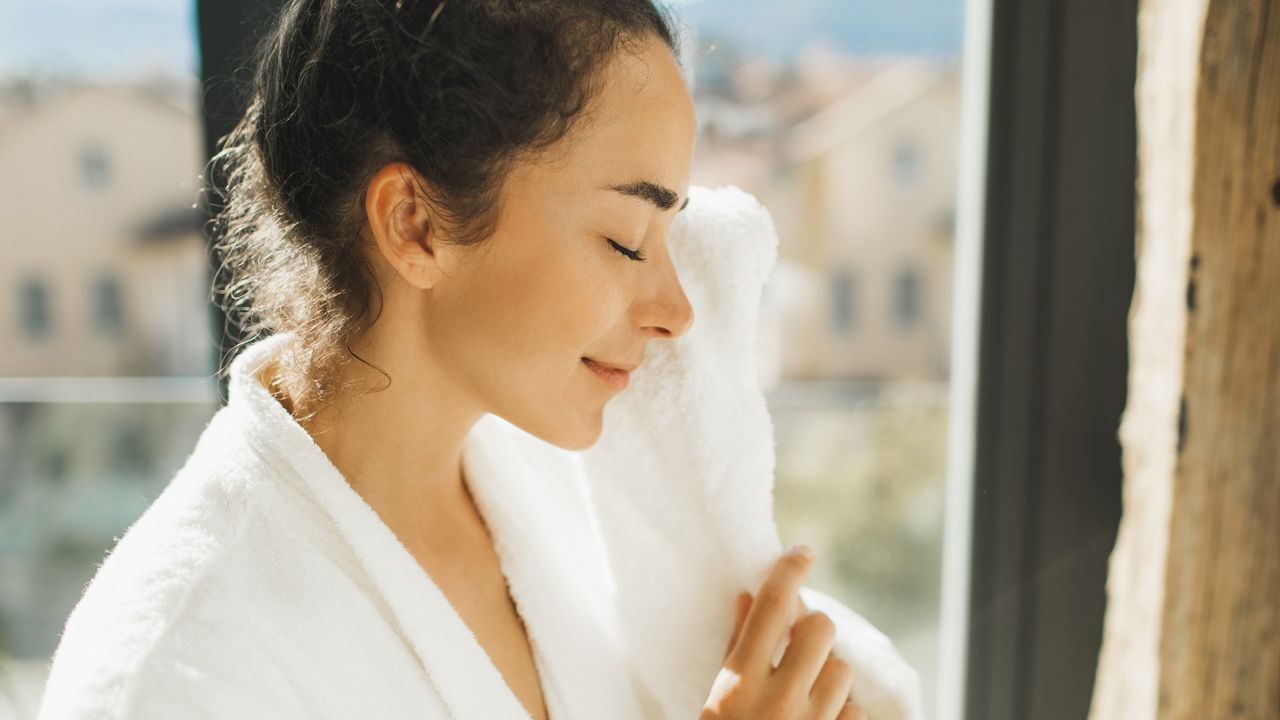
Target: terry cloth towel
(260, 584)
(682, 478)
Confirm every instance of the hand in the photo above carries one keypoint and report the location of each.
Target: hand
(808, 683)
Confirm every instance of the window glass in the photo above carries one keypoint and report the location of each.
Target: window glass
(906, 298)
(106, 373)
(107, 310)
(906, 163)
(94, 170)
(844, 288)
(34, 304)
(841, 116)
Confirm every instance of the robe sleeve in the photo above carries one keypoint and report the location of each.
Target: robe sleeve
(191, 671)
(200, 695)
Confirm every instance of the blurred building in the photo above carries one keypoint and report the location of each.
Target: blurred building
(856, 162)
(104, 264)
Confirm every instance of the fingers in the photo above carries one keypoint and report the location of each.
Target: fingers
(832, 688)
(744, 604)
(812, 638)
(852, 711)
(801, 609)
(770, 612)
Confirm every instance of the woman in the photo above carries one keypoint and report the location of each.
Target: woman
(438, 212)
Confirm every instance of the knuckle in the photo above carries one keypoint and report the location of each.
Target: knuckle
(818, 624)
(838, 668)
(771, 600)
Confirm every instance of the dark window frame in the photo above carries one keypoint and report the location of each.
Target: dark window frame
(1058, 273)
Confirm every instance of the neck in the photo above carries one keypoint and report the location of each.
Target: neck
(400, 448)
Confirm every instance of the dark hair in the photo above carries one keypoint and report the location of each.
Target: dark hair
(459, 90)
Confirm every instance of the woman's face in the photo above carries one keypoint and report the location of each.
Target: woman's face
(510, 323)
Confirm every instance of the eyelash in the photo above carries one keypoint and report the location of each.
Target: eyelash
(633, 254)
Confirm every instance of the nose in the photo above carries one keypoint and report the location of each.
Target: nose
(666, 311)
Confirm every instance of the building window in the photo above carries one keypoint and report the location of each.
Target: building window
(844, 299)
(33, 302)
(108, 310)
(95, 170)
(906, 163)
(906, 298)
(130, 449)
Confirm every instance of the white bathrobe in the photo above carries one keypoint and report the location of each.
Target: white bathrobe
(259, 584)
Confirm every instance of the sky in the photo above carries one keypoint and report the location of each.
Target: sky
(103, 38)
(121, 38)
(865, 27)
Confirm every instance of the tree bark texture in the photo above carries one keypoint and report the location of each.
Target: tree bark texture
(1193, 619)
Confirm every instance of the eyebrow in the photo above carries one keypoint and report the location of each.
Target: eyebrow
(661, 197)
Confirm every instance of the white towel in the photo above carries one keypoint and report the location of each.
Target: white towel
(682, 477)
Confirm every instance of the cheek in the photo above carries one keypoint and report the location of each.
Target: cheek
(543, 314)
(571, 312)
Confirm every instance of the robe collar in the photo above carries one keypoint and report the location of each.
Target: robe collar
(558, 588)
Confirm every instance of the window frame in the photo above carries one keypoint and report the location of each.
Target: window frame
(1041, 381)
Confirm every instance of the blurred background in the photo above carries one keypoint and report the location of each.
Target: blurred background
(842, 116)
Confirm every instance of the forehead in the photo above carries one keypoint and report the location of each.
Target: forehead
(641, 124)
(642, 91)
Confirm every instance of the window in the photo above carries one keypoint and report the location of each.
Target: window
(107, 310)
(906, 298)
(906, 163)
(34, 303)
(860, 455)
(844, 309)
(95, 170)
(88, 434)
(844, 101)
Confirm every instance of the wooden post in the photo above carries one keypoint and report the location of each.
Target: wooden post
(1193, 619)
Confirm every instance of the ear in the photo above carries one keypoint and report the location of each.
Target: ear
(404, 227)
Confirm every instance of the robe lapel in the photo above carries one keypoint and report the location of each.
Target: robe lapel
(530, 496)
(462, 672)
(454, 661)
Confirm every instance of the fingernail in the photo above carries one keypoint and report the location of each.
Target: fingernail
(801, 550)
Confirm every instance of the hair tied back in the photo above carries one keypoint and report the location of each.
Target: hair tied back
(434, 14)
(337, 91)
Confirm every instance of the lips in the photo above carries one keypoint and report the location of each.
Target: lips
(617, 377)
(624, 367)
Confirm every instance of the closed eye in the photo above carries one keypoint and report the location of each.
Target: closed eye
(633, 254)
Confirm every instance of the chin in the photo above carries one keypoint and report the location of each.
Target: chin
(578, 435)
(578, 441)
